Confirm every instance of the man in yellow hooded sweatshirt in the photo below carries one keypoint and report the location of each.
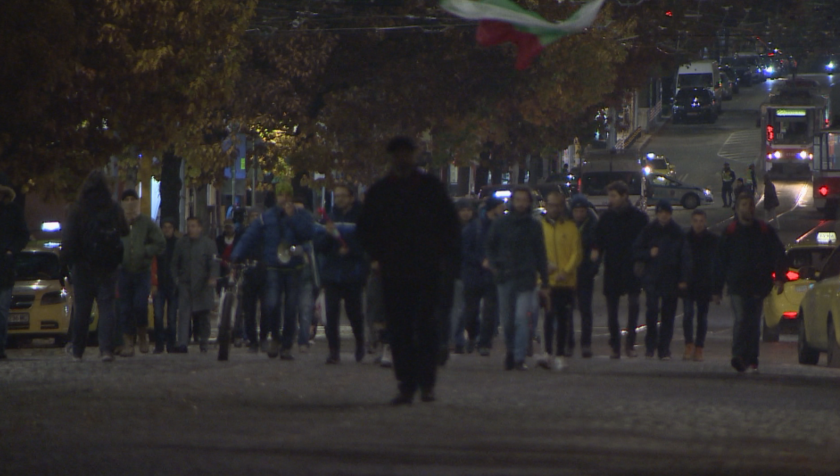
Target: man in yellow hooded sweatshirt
(563, 246)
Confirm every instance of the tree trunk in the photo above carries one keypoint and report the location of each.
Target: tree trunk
(170, 189)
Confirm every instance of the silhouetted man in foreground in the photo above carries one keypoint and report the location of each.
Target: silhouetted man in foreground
(410, 227)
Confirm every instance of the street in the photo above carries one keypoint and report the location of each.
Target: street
(190, 414)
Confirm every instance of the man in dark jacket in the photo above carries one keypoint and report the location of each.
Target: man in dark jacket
(344, 269)
(225, 243)
(92, 221)
(586, 220)
(478, 280)
(614, 236)
(466, 216)
(13, 238)
(666, 258)
(703, 244)
(289, 226)
(165, 291)
(516, 255)
(727, 181)
(749, 254)
(410, 227)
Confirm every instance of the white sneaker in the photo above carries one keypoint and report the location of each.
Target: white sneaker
(559, 363)
(544, 362)
(386, 360)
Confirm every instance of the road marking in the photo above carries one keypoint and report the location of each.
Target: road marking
(741, 146)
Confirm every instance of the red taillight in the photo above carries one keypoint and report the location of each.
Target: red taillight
(792, 275)
(580, 185)
(770, 133)
(823, 190)
(789, 315)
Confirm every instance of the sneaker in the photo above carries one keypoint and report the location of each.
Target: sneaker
(360, 352)
(264, 346)
(181, 349)
(649, 355)
(237, 342)
(559, 364)
(386, 361)
(254, 348)
(303, 348)
(586, 352)
(753, 369)
(631, 352)
(403, 399)
(544, 362)
(273, 349)
(665, 357)
(689, 352)
(615, 354)
(738, 364)
(698, 354)
(68, 349)
(77, 358)
(333, 358)
(509, 364)
(203, 349)
(158, 350)
(427, 395)
(287, 355)
(521, 366)
(471, 346)
(108, 357)
(484, 352)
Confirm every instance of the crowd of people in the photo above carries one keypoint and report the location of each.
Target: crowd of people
(419, 276)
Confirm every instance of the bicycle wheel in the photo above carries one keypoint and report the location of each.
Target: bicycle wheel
(228, 304)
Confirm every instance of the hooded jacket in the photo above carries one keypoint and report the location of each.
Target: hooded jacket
(13, 232)
(748, 255)
(671, 265)
(563, 248)
(516, 251)
(272, 228)
(143, 243)
(615, 234)
(337, 268)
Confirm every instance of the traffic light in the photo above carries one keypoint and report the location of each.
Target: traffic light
(669, 13)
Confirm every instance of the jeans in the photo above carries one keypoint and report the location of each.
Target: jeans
(516, 310)
(5, 304)
(201, 326)
(410, 306)
(585, 291)
(282, 284)
(726, 193)
(659, 338)
(253, 283)
(351, 293)
(632, 320)
(562, 306)
(746, 332)
(483, 328)
(702, 321)
(87, 288)
(375, 314)
(457, 316)
(134, 300)
(306, 309)
(166, 305)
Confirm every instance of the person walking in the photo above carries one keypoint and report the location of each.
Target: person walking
(586, 220)
(615, 234)
(13, 238)
(752, 183)
(409, 226)
(478, 280)
(516, 255)
(666, 258)
(165, 291)
(344, 269)
(750, 254)
(282, 226)
(727, 179)
(225, 243)
(771, 202)
(92, 249)
(253, 286)
(564, 253)
(466, 216)
(703, 245)
(144, 241)
(196, 270)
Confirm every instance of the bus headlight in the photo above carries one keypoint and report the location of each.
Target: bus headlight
(803, 154)
(777, 154)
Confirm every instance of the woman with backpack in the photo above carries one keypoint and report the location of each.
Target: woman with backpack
(91, 246)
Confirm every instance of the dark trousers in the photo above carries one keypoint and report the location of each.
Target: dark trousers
(351, 293)
(746, 332)
(413, 330)
(702, 320)
(166, 306)
(253, 284)
(659, 308)
(87, 288)
(134, 300)
(726, 193)
(585, 291)
(562, 306)
(632, 319)
(484, 328)
(282, 284)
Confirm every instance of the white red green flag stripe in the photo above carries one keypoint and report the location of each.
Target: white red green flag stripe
(503, 20)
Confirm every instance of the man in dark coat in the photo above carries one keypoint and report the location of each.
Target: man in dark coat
(478, 280)
(703, 244)
(410, 227)
(586, 220)
(666, 259)
(344, 270)
(614, 236)
(165, 291)
(727, 181)
(13, 238)
(749, 254)
(94, 213)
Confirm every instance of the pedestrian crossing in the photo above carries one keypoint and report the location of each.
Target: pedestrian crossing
(742, 147)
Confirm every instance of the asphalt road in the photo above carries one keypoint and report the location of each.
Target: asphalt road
(189, 414)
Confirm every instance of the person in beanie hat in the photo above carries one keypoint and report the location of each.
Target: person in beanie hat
(586, 219)
(666, 263)
(13, 238)
(165, 291)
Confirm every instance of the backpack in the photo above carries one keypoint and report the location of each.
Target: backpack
(101, 242)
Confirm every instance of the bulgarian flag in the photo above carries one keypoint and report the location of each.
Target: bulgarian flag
(503, 20)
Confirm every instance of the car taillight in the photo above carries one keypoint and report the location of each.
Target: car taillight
(792, 275)
(789, 314)
(823, 190)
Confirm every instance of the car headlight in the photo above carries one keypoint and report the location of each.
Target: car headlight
(55, 297)
(707, 192)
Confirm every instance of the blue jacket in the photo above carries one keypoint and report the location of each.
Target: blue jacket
(336, 268)
(473, 253)
(275, 227)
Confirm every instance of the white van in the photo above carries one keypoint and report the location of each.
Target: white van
(702, 74)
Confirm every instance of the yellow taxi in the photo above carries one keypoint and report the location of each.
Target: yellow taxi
(819, 316)
(658, 164)
(805, 256)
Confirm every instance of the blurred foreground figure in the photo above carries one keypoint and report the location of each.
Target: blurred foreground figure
(410, 227)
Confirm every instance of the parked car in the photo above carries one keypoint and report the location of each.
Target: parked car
(662, 187)
(695, 102)
(658, 164)
(819, 316)
(733, 78)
